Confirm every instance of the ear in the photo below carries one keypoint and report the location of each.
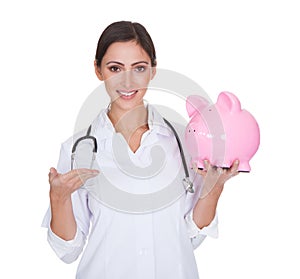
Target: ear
(195, 104)
(98, 71)
(153, 72)
(229, 102)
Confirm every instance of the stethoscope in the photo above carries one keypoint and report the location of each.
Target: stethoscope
(187, 183)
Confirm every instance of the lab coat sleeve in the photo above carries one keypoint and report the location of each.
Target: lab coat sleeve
(68, 251)
(198, 235)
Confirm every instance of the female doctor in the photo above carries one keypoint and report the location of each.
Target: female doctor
(157, 244)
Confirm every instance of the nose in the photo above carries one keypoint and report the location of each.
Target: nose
(127, 80)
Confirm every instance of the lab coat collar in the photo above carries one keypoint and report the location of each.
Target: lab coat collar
(156, 124)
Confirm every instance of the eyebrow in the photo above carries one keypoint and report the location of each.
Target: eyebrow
(121, 64)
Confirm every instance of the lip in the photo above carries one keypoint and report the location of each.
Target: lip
(127, 94)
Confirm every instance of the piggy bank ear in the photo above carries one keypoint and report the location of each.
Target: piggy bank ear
(229, 102)
(195, 104)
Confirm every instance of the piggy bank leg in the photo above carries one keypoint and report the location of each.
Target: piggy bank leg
(244, 167)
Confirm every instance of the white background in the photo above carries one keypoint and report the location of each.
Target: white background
(250, 48)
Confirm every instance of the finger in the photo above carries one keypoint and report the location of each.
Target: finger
(235, 174)
(194, 166)
(201, 172)
(196, 170)
(78, 181)
(220, 170)
(83, 177)
(233, 171)
(74, 173)
(234, 167)
(206, 164)
(83, 171)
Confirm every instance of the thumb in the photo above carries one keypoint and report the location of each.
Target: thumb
(206, 164)
(52, 173)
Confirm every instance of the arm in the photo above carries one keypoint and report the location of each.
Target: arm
(63, 222)
(205, 209)
(65, 236)
(68, 216)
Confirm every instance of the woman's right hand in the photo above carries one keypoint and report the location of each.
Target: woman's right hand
(63, 185)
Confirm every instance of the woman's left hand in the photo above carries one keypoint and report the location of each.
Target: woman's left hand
(215, 178)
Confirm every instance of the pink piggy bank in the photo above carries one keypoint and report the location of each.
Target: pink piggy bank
(221, 132)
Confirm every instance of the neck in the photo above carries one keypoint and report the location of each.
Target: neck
(128, 122)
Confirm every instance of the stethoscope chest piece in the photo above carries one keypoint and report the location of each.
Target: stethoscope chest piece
(188, 185)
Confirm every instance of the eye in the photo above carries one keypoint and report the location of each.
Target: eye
(114, 69)
(140, 69)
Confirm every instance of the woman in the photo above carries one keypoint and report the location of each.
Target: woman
(157, 244)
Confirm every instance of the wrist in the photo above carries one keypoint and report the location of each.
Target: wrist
(215, 192)
(58, 200)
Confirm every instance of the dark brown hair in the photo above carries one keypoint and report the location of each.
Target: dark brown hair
(124, 31)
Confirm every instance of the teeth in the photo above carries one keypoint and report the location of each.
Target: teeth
(127, 93)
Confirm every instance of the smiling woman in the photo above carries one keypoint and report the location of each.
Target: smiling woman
(151, 245)
(126, 60)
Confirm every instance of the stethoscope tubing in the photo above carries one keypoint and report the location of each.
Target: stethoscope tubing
(188, 184)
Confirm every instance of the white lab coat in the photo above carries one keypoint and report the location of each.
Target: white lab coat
(154, 245)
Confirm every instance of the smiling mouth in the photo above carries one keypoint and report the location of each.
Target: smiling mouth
(127, 93)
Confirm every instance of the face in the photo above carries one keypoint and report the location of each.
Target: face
(126, 70)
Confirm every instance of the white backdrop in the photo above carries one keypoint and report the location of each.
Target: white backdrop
(250, 48)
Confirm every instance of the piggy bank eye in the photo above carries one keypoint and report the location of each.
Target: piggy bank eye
(194, 130)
